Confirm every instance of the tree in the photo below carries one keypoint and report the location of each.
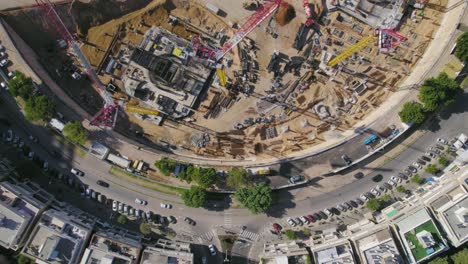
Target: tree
(386, 198)
(417, 179)
(21, 86)
(22, 259)
(306, 232)
(444, 161)
(257, 199)
(237, 177)
(373, 204)
(461, 51)
(122, 219)
(290, 234)
(432, 169)
(194, 197)
(145, 228)
(39, 107)
(401, 189)
(165, 166)
(204, 177)
(412, 112)
(75, 132)
(439, 91)
(439, 260)
(460, 257)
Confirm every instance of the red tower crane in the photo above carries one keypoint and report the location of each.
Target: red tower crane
(107, 116)
(263, 11)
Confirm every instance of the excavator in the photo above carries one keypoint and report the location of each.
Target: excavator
(251, 5)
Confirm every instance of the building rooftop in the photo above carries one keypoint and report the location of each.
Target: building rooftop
(378, 247)
(107, 247)
(419, 235)
(334, 254)
(17, 213)
(59, 237)
(279, 253)
(167, 252)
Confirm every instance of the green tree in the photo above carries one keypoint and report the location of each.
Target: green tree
(444, 161)
(165, 166)
(386, 198)
(145, 228)
(417, 179)
(432, 169)
(237, 177)
(306, 232)
(122, 219)
(75, 132)
(290, 234)
(439, 260)
(194, 197)
(439, 91)
(373, 204)
(21, 86)
(412, 112)
(22, 259)
(401, 189)
(257, 199)
(204, 177)
(185, 175)
(461, 51)
(39, 107)
(460, 257)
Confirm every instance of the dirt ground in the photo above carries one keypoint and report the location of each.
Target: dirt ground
(297, 126)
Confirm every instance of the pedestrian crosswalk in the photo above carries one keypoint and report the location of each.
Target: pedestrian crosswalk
(208, 236)
(249, 235)
(227, 219)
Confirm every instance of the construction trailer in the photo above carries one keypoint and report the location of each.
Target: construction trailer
(260, 171)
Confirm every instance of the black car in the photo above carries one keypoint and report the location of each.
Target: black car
(346, 159)
(359, 175)
(317, 216)
(102, 183)
(377, 178)
(172, 219)
(323, 215)
(403, 176)
(412, 169)
(189, 221)
(408, 172)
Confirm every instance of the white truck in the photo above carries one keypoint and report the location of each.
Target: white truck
(119, 161)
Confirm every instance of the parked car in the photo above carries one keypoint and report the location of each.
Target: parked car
(172, 219)
(93, 195)
(348, 206)
(364, 197)
(377, 178)
(310, 218)
(131, 211)
(45, 166)
(359, 175)
(9, 135)
(298, 221)
(4, 85)
(430, 155)
(387, 185)
(317, 216)
(346, 159)
(403, 176)
(296, 178)
(212, 250)
(392, 183)
(102, 183)
(359, 201)
(31, 155)
(21, 144)
(276, 227)
(375, 192)
(341, 208)
(121, 205)
(412, 169)
(88, 193)
(327, 212)
(291, 222)
(137, 213)
(442, 141)
(381, 188)
(140, 201)
(417, 165)
(125, 209)
(165, 205)
(395, 178)
(304, 220)
(4, 62)
(148, 214)
(189, 221)
(114, 205)
(435, 150)
(353, 203)
(77, 172)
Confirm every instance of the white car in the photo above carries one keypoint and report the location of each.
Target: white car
(212, 250)
(4, 62)
(328, 212)
(364, 197)
(442, 140)
(165, 205)
(375, 192)
(9, 137)
(121, 207)
(430, 155)
(11, 74)
(392, 183)
(114, 205)
(417, 165)
(140, 201)
(395, 179)
(31, 155)
(77, 172)
(381, 188)
(304, 220)
(4, 85)
(291, 222)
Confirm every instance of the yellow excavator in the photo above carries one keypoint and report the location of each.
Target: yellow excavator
(250, 5)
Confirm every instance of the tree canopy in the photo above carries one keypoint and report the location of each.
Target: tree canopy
(165, 166)
(122, 219)
(432, 169)
(237, 177)
(461, 51)
(412, 112)
(460, 257)
(204, 177)
(39, 108)
(257, 199)
(290, 234)
(439, 91)
(145, 228)
(400, 189)
(21, 86)
(444, 161)
(439, 260)
(374, 204)
(417, 179)
(194, 197)
(75, 132)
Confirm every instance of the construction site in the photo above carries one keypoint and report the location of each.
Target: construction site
(233, 79)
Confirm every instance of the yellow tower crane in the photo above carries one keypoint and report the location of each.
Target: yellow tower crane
(354, 48)
(140, 110)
